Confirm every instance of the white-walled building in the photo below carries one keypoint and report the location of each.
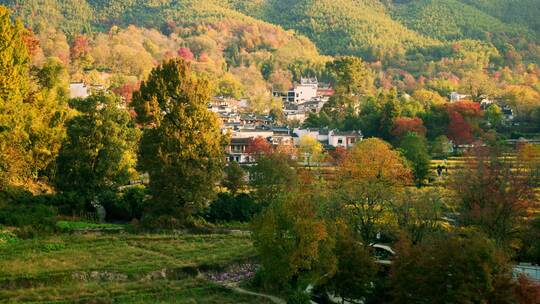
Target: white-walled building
(344, 139)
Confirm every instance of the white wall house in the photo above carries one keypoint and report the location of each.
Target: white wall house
(344, 139)
(78, 90)
(455, 97)
(306, 90)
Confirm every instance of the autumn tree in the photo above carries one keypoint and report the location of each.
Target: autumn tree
(459, 130)
(292, 239)
(258, 147)
(14, 89)
(404, 125)
(451, 268)
(493, 193)
(418, 213)
(99, 150)
(368, 181)
(182, 147)
(310, 149)
(14, 60)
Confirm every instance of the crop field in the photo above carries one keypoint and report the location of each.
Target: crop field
(121, 269)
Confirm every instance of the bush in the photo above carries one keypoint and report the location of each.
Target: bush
(30, 219)
(228, 208)
(7, 237)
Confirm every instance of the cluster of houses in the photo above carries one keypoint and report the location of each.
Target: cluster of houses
(244, 127)
(308, 96)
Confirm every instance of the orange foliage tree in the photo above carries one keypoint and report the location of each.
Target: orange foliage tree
(368, 180)
(404, 125)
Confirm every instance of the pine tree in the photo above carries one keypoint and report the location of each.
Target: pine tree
(182, 148)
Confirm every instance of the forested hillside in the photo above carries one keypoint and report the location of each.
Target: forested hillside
(249, 46)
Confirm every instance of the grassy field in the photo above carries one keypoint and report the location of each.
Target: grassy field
(120, 269)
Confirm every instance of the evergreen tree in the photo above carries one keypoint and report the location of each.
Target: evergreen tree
(182, 146)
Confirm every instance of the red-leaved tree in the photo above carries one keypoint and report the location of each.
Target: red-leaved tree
(404, 125)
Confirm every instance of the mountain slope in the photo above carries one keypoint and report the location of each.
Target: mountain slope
(454, 20)
(340, 26)
(524, 12)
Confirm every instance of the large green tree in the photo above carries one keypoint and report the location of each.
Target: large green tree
(182, 148)
(99, 149)
(415, 149)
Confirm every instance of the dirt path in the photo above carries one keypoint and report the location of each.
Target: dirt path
(251, 293)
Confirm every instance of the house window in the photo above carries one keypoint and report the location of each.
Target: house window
(353, 140)
(340, 141)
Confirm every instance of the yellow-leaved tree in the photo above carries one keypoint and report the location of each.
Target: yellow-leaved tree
(367, 182)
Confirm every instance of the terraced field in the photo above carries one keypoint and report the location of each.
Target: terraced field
(121, 269)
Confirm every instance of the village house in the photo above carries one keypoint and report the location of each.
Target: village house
(236, 151)
(330, 138)
(344, 139)
(456, 97)
(78, 90)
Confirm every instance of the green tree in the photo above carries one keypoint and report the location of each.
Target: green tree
(356, 267)
(47, 113)
(389, 112)
(494, 116)
(98, 152)
(418, 213)
(415, 149)
(441, 146)
(182, 147)
(271, 175)
(234, 177)
(351, 76)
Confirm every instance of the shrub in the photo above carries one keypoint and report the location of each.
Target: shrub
(227, 208)
(30, 219)
(7, 237)
(50, 247)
